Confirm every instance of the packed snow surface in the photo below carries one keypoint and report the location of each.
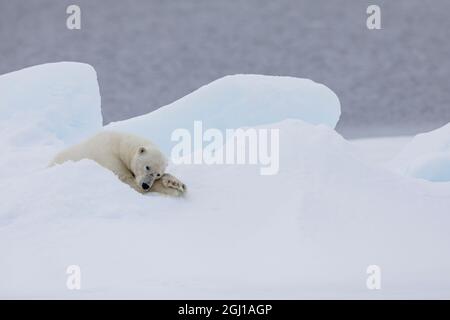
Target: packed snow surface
(238, 101)
(427, 156)
(45, 103)
(309, 231)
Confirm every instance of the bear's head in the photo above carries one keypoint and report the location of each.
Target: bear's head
(148, 165)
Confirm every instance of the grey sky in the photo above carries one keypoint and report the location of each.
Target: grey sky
(150, 53)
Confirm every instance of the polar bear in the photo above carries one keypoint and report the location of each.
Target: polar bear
(135, 160)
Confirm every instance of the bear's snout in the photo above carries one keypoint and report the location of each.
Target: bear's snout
(145, 186)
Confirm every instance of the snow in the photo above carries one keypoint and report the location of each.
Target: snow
(43, 108)
(380, 150)
(46, 102)
(309, 231)
(426, 157)
(238, 101)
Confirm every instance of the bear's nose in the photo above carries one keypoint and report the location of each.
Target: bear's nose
(145, 186)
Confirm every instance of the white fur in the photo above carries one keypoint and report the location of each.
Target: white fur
(135, 160)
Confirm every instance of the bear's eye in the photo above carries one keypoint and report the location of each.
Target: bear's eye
(147, 168)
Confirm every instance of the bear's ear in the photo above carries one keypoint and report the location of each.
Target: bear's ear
(142, 150)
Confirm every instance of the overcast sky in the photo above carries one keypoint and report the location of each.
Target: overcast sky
(150, 53)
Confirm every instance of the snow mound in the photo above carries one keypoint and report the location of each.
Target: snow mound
(309, 231)
(49, 103)
(427, 156)
(238, 101)
(44, 108)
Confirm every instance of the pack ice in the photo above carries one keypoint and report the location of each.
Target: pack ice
(238, 101)
(426, 157)
(311, 231)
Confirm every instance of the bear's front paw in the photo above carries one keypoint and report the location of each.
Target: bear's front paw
(170, 181)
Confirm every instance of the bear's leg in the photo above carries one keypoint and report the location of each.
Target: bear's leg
(123, 174)
(169, 185)
(129, 180)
